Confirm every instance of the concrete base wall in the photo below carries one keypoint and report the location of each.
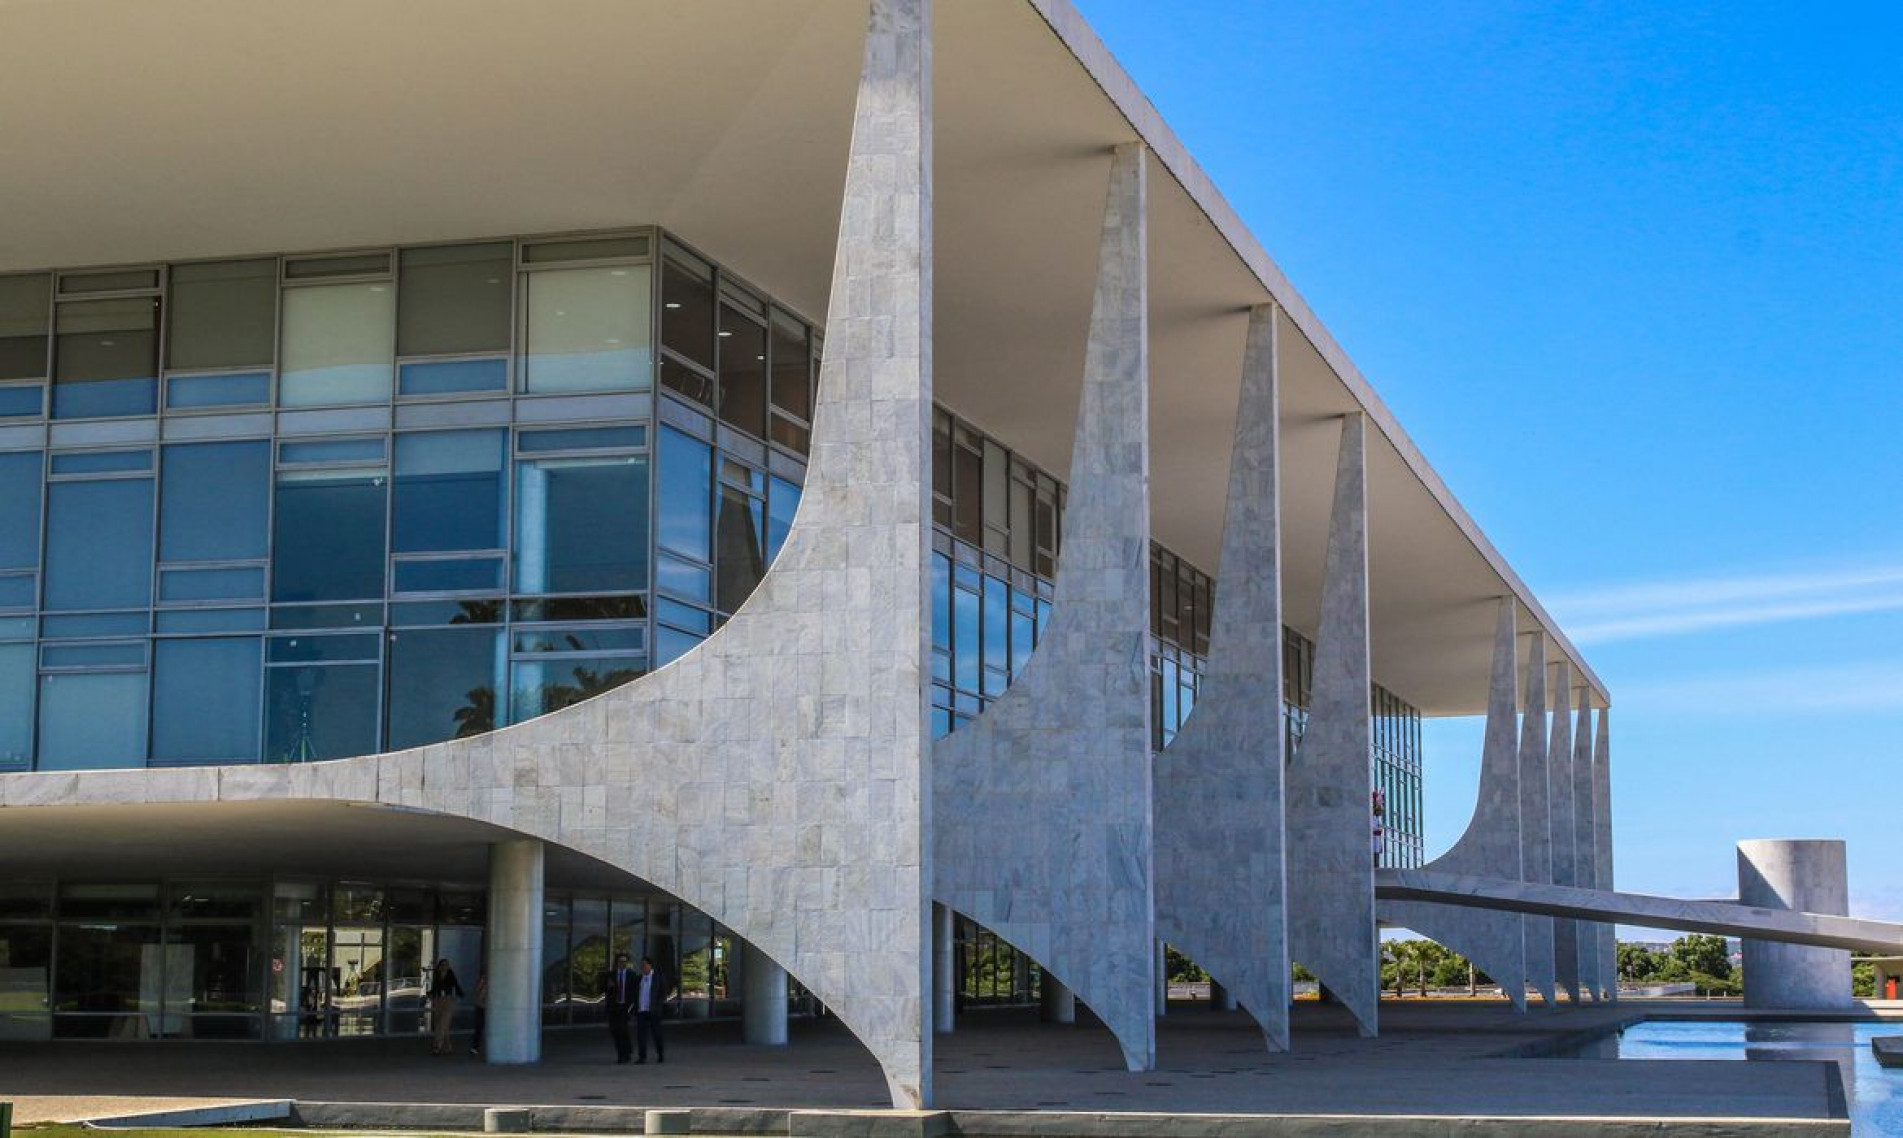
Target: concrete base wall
(1810, 876)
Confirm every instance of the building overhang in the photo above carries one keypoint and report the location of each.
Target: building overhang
(200, 128)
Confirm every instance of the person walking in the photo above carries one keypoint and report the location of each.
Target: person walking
(650, 999)
(482, 1011)
(444, 991)
(619, 988)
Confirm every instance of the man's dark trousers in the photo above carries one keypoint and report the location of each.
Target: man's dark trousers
(646, 1025)
(618, 1027)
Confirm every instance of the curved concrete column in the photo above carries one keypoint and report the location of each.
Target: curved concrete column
(1536, 851)
(1559, 766)
(1607, 962)
(1809, 876)
(1042, 825)
(513, 1031)
(763, 983)
(1329, 784)
(1490, 846)
(1585, 862)
(776, 776)
(1220, 878)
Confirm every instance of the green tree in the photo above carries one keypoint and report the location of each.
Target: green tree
(1181, 969)
(1863, 979)
(1703, 953)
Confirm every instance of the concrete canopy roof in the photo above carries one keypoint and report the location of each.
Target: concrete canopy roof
(202, 128)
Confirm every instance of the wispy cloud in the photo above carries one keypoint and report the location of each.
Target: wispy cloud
(1668, 608)
(1861, 686)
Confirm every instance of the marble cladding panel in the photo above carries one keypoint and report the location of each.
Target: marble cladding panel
(1329, 785)
(1490, 846)
(1042, 806)
(775, 776)
(1220, 877)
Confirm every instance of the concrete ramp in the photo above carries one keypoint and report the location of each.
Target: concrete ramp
(1725, 918)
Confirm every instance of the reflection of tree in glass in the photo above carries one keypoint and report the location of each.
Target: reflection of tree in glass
(478, 716)
(588, 683)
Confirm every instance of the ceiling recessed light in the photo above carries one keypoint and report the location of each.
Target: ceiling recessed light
(672, 304)
(724, 335)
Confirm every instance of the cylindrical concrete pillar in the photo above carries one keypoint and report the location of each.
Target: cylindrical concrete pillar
(1162, 979)
(513, 1033)
(1058, 1004)
(1221, 999)
(764, 1010)
(1808, 875)
(944, 1003)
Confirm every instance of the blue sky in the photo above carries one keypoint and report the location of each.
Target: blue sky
(1632, 276)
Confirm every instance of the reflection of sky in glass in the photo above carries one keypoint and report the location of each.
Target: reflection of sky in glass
(1875, 1095)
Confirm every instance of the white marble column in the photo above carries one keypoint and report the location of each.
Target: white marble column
(1329, 785)
(1220, 876)
(512, 1033)
(763, 1010)
(1811, 876)
(944, 981)
(1490, 845)
(1536, 851)
(1559, 766)
(1584, 862)
(1056, 1002)
(1602, 849)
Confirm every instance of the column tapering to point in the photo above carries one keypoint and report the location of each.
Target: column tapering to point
(1608, 962)
(1536, 851)
(1559, 761)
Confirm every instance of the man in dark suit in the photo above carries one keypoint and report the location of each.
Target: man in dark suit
(650, 997)
(619, 990)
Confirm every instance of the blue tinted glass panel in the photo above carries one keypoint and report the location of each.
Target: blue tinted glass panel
(331, 451)
(670, 644)
(22, 401)
(443, 685)
(106, 362)
(361, 615)
(181, 585)
(18, 592)
(329, 536)
(941, 602)
(241, 389)
(20, 509)
(589, 329)
(93, 624)
(105, 462)
(691, 581)
(683, 616)
(581, 525)
(965, 639)
(783, 500)
(686, 497)
(477, 574)
(92, 655)
(740, 532)
(453, 377)
(214, 502)
(16, 628)
(92, 721)
(211, 620)
(317, 649)
(587, 438)
(206, 702)
(582, 638)
(99, 544)
(449, 492)
(16, 704)
(997, 618)
(542, 686)
(320, 712)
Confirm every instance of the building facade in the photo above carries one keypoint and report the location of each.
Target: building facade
(376, 504)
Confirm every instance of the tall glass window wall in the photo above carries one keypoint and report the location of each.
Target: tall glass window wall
(309, 506)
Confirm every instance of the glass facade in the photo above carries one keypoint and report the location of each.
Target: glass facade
(303, 507)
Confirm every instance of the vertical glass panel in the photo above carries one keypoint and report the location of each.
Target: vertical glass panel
(26, 954)
(742, 372)
(443, 684)
(214, 974)
(16, 705)
(358, 970)
(205, 700)
(454, 299)
(318, 712)
(214, 501)
(997, 508)
(25, 313)
(965, 643)
(448, 493)
(792, 361)
(783, 501)
(20, 509)
(967, 487)
(107, 358)
(329, 535)
(740, 531)
(687, 311)
(581, 525)
(589, 329)
(687, 478)
(99, 544)
(941, 468)
(588, 958)
(115, 969)
(543, 685)
(997, 636)
(92, 720)
(339, 345)
(224, 315)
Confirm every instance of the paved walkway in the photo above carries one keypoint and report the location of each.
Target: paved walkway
(1436, 1058)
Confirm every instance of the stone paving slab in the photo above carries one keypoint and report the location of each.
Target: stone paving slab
(1434, 1058)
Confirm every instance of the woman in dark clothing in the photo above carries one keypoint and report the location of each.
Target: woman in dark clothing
(444, 991)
